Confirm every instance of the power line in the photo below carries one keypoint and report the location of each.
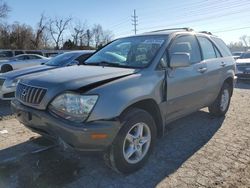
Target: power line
(204, 15)
(135, 21)
(187, 11)
(232, 29)
(197, 14)
(122, 22)
(208, 17)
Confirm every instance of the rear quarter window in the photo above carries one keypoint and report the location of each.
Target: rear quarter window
(222, 47)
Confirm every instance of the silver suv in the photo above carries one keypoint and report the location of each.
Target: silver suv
(123, 96)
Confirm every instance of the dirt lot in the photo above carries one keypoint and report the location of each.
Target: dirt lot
(198, 151)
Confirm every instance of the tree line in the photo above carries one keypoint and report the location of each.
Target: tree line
(51, 33)
(242, 45)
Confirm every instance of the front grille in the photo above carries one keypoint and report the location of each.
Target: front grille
(30, 94)
(1, 82)
(242, 66)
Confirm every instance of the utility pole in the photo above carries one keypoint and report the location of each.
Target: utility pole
(135, 21)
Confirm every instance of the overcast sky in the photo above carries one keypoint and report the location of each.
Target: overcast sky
(228, 19)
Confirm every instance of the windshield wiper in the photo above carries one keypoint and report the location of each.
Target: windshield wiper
(102, 63)
(107, 64)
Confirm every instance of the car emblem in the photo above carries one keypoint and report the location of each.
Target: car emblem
(24, 92)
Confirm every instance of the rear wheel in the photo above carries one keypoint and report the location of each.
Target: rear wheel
(6, 68)
(222, 102)
(134, 142)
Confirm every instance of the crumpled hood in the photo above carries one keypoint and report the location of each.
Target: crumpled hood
(77, 76)
(72, 78)
(26, 71)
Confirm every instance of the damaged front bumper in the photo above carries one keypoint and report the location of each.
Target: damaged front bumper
(82, 136)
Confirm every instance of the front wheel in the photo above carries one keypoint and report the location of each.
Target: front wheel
(6, 68)
(134, 142)
(222, 102)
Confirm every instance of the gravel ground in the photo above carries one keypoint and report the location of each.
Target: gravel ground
(198, 151)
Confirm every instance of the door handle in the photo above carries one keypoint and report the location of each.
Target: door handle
(202, 69)
(223, 64)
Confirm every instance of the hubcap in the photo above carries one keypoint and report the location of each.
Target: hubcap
(136, 143)
(224, 100)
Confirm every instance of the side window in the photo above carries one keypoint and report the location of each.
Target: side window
(187, 44)
(22, 57)
(207, 48)
(6, 54)
(33, 57)
(17, 52)
(222, 47)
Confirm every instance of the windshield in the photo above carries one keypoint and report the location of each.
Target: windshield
(245, 56)
(134, 52)
(62, 59)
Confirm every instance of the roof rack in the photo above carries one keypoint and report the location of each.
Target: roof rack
(182, 28)
(206, 32)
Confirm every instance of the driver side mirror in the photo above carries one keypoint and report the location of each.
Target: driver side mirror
(180, 60)
(163, 63)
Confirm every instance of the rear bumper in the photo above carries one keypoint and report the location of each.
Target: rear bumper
(79, 137)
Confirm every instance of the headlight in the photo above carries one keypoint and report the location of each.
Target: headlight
(12, 83)
(72, 106)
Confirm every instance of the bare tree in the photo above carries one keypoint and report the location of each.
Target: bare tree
(46, 39)
(78, 33)
(107, 37)
(5, 30)
(97, 33)
(4, 9)
(20, 36)
(245, 39)
(89, 36)
(56, 27)
(41, 26)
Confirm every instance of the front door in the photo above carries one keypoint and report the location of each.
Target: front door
(185, 85)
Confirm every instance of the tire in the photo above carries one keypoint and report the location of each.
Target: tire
(132, 121)
(6, 68)
(220, 106)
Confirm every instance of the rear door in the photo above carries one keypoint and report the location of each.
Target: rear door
(185, 85)
(215, 64)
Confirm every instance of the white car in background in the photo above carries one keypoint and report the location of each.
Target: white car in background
(236, 55)
(21, 61)
(243, 66)
(9, 80)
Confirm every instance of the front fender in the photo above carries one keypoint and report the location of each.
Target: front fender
(116, 96)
